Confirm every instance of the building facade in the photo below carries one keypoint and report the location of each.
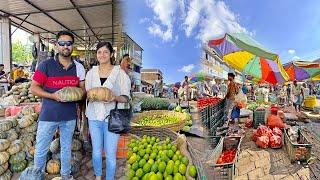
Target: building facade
(213, 65)
(153, 77)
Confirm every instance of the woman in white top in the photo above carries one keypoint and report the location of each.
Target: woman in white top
(114, 78)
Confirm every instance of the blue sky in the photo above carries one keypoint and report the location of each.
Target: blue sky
(171, 31)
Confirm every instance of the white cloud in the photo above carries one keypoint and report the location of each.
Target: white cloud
(205, 19)
(214, 19)
(165, 35)
(144, 20)
(291, 51)
(187, 68)
(295, 58)
(164, 11)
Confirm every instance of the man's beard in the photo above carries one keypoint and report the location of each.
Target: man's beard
(65, 53)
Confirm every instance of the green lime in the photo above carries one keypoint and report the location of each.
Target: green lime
(185, 160)
(154, 168)
(169, 169)
(182, 169)
(131, 174)
(142, 162)
(192, 171)
(162, 167)
(135, 166)
(139, 173)
(147, 168)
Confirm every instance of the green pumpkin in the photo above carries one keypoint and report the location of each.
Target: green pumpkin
(26, 121)
(70, 94)
(30, 129)
(14, 121)
(76, 145)
(27, 110)
(12, 135)
(76, 156)
(15, 147)
(30, 163)
(3, 168)
(5, 125)
(18, 157)
(4, 144)
(55, 145)
(28, 137)
(56, 156)
(18, 167)
(75, 167)
(3, 135)
(4, 157)
(6, 176)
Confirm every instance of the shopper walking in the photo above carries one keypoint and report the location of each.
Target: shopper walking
(53, 74)
(231, 94)
(114, 78)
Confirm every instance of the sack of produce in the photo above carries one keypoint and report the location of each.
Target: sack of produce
(70, 94)
(264, 131)
(100, 94)
(263, 142)
(255, 135)
(275, 121)
(275, 141)
(277, 131)
(249, 123)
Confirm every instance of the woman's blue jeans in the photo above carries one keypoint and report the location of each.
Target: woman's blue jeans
(102, 138)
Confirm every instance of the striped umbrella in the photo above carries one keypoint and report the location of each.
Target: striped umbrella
(244, 54)
(301, 70)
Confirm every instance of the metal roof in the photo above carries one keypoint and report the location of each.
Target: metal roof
(89, 20)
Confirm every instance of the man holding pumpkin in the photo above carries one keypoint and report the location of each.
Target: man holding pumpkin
(52, 75)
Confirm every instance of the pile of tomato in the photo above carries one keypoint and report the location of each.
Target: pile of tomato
(227, 156)
(204, 102)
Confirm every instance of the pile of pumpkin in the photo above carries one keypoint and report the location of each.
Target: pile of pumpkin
(22, 93)
(17, 137)
(53, 165)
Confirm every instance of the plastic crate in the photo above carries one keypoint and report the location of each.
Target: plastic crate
(293, 149)
(259, 117)
(224, 171)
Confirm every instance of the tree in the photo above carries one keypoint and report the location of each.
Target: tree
(21, 53)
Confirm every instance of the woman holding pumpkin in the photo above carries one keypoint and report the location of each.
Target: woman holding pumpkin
(101, 101)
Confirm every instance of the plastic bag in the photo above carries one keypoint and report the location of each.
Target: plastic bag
(275, 141)
(275, 121)
(241, 99)
(263, 142)
(277, 131)
(235, 113)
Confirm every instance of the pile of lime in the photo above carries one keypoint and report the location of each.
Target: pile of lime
(149, 160)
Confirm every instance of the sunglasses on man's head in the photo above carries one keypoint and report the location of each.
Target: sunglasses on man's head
(63, 43)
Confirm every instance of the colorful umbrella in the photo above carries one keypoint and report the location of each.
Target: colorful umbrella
(301, 70)
(200, 77)
(244, 54)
